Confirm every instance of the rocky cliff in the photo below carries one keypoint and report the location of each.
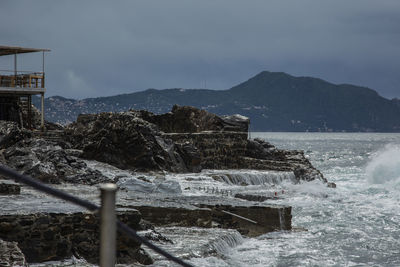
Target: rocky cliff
(185, 140)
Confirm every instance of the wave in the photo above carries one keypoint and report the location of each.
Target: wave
(384, 166)
(225, 243)
(254, 178)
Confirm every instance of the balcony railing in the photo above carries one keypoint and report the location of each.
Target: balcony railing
(22, 80)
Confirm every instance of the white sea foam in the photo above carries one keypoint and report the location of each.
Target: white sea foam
(384, 166)
(255, 178)
(226, 242)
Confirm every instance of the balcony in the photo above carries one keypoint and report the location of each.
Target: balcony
(22, 83)
(17, 88)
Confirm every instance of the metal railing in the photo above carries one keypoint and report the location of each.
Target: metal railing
(22, 79)
(123, 228)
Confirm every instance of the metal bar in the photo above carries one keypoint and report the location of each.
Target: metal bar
(42, 111)
(43, 71)
(29, 111)
(238, 216)
(15, 64)
(108, 226)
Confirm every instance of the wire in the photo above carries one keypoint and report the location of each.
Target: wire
(5, 171)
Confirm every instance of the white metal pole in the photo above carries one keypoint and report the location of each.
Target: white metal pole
(15, 64)
(42, 111)
(108, 236)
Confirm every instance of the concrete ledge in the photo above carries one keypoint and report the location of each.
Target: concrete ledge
(22, 90)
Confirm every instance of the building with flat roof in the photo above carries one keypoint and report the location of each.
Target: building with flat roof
(18, 86)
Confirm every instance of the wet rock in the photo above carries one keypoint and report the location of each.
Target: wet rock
(218, 150)
(49, 162)
(9, 188)
(11, 254)
(236, 123)
(127, 141)
(136, 185)
(190, 155)
(185, 119)
(153, 235)
(262, 155)
(11, 133)
(251, 197)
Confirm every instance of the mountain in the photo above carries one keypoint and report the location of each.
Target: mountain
(274, 101)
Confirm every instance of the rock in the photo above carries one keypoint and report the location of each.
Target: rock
(136, 185)
(236, 123)
(190, 155)
(127, 141)
(9, 188)
(269, 157)
(153, 235)
(49, 162)
(251, 197)
(186, 119)
(260, 149)
(11, 254)
(11, 133)
(184, 140)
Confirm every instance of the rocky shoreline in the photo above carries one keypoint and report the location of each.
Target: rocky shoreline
(185, 140)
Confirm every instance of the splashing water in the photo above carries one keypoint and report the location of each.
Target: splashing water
(384, 166)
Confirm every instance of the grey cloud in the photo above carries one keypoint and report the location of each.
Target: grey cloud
(105, 48)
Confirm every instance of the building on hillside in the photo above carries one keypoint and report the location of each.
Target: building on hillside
(18, 86)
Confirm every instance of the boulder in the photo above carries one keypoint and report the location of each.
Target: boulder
(187, 119)
(269, 157)
(11, 133)
(236, 123)
(11, 254)
(50, 162)
(9, 188)
(127, 141)
(163, 186)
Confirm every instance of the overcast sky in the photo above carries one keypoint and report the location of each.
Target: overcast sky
(102, 48)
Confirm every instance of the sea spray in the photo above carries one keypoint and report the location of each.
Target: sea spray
(384, 166)
(259, 178)
(226, 242)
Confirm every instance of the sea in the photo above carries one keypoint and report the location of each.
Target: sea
(355, 224)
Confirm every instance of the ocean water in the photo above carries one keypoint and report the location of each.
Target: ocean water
(356, 224)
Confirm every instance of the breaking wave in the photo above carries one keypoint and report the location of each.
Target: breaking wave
(384, 166)
(226, 242)
(255, 178)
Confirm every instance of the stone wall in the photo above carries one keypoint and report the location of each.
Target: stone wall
(219, 150)
(266, 218)
(55, 236)
(233, 150)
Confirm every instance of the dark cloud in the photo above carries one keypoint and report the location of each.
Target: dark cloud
(110, 47)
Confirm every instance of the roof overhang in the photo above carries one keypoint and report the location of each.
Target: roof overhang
(11, 50)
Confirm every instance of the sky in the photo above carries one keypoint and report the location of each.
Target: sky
(102, 48)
